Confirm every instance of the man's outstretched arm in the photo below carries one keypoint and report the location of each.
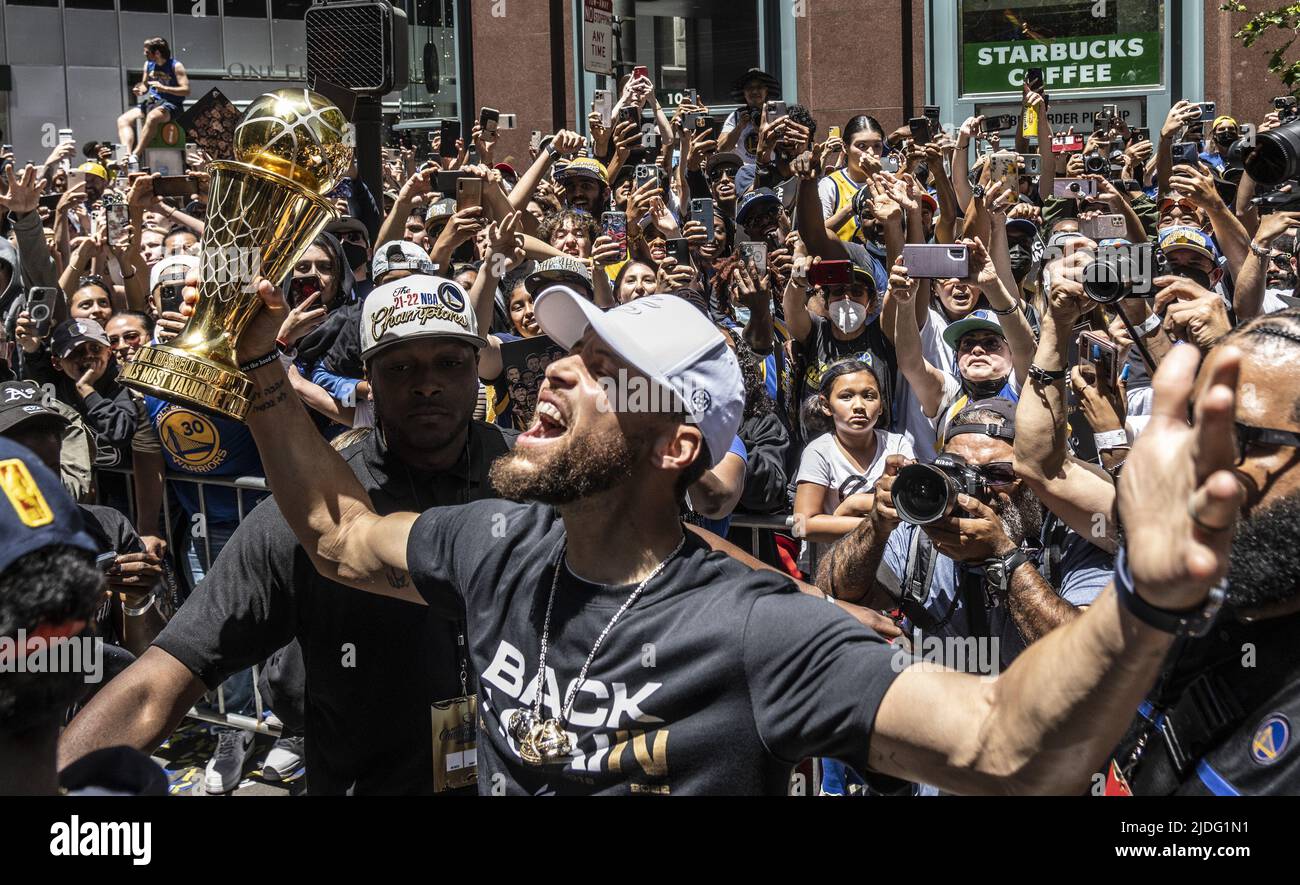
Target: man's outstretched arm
(321, 499)
(1046, 724)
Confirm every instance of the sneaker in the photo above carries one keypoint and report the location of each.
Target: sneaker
(226, 767)
(285, 759)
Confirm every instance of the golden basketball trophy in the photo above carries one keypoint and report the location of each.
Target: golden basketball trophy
(265, 207)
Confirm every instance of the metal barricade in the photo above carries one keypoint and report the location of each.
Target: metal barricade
(240, 484)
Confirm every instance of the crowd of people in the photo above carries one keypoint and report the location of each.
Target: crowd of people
(928, 349)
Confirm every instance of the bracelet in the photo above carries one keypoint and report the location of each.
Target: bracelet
(1009, 311)
(1259, 250)
(135, 612)
(1147, 326)
(1193, 622)
(264, 360)
(1038, 373)
(1111, 439)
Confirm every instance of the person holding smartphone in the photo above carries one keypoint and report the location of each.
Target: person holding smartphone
(739, 131)
(864, 139)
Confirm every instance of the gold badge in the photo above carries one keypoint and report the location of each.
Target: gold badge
(23, 494)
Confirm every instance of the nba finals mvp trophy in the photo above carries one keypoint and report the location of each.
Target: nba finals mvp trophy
(265, 207)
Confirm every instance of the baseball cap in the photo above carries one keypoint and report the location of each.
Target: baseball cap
(976, 320)
(20, 401)
(400, 255)
(755, 200)
(172, 269)
(584, 167)
(507, 170)
(69, 333)
(669, 341)
(1000, 406)
(562, 270)
(35, 510)
(723, 158)
(1189, 238)
(94, 169)
(439, 213)
(418, 306)
(757, 75)
(1022, 225)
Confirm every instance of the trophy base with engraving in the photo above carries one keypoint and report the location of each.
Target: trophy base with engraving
(171, 374)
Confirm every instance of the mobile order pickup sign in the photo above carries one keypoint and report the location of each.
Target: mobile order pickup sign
(598, 36)
(1112, 61)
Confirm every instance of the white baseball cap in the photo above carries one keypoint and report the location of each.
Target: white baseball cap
(669, 341)
(418, 306)
(400, 255)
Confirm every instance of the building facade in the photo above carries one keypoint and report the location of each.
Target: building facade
(70, 63)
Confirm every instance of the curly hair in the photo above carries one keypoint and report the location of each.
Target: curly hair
(582, 220)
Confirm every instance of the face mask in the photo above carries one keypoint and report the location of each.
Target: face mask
(1022, 260)
(848, 316)
(1225, 139)
(355, 255)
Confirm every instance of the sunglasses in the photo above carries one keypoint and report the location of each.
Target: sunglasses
(987, 343)
(725, 172)
(1247, 437)
(998, 473)
(132, 337)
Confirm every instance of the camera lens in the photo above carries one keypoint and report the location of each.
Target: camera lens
(39, 312)
(1276, 156)
(1104, 281)
(1096, 164)
(923, 494)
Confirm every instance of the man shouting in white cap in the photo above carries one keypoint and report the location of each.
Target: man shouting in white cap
(617, 653)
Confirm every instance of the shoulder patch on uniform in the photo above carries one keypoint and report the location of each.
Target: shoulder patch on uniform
(1271, 740)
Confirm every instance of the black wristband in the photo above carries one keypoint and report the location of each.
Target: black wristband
(1193, 622)
(264, 360)
(1040, 374)
(1009, 311)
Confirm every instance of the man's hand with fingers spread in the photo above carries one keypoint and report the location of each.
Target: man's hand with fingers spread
(1178, 497)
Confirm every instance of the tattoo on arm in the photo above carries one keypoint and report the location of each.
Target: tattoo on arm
(848, 570)
(272, 396)
(1035, 608)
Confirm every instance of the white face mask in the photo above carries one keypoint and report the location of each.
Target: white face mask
(848, 316)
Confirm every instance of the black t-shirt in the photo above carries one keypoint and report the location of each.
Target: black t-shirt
(110, 529)
(717, 680)
(822, 350)
(374, 664)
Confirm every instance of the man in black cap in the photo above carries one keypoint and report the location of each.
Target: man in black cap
(49, 589)
(740, 131)
(720, 170)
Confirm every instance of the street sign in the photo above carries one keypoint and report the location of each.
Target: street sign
(598, 36)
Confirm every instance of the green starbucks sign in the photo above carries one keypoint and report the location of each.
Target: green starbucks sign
(1093, 62)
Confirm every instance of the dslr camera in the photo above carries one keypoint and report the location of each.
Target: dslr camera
(1111, 276)
(1287, 107)
(926, 493)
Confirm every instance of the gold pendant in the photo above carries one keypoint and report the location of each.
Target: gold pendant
(521, 722)
(545, 742)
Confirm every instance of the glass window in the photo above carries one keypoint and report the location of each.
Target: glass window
(290, 10)
(102, 5)
(32, 2)
(1079, 44)
(704, 45)
(434, 62)
(244, 8)
(186, 6)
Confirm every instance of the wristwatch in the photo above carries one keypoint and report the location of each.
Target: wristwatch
(999, 569)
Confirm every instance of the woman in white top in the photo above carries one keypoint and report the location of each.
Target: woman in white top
(848, 459)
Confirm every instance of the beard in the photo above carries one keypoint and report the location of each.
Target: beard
(1265, 556)
(1021, 515)
(580, 467)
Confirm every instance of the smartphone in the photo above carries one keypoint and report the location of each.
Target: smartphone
(680, 250)
(707, 122)
(469, 193)
(1074, 187)
(76, 177)
(920, 128)
(1102, 353)
(702, 211)
(630, 115)
(1104, 227)
(691, 97)
(937, 262)
(754, 255)
(645, 172)
(104, 561)
(614, 226)
(774, 110)
(1000, 123)
(1031, 164)
(535, 141)
(1186, 153)
(171, 295)
(450, 132)
(1004, 166)
(302, 288)
(640, 71)
(173, 186)
(117, 219)
(1067, 144)
(50, 201)
(1207, 110)
(691, 120)
(488, 120)
(602, 103)
(1110, 113)
(40, 307)
(931, 113)
(835, 159)
(830, 273)
(889, 162)
(1034, 79)
(65, 136)
(1138, 134)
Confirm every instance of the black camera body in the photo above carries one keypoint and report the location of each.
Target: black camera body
(1112, 274)
(926, 493)
(1096, 164)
